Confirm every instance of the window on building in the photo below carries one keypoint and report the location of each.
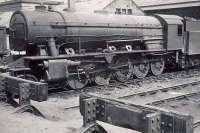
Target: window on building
(129, 12)
(118, 11)
(180, 30)
(123, 11)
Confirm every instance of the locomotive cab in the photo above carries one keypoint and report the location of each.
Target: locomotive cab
(173, 30)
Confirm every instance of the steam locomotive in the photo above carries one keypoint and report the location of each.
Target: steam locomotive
(71, 48)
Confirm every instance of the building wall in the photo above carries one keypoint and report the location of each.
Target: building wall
(17, 6)
(68, 5)
(123, 7)
(13, 5)
(193, 12)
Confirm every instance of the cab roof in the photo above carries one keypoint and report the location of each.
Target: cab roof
(171, 19)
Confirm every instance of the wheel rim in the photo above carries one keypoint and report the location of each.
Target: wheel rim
(141, 70)
(126, 72)
(77, 82)
(102, 78)
(157, 67)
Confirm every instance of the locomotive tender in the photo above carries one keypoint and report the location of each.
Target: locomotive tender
(76, 48)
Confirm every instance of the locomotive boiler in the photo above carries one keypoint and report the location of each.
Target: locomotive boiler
(93, 30)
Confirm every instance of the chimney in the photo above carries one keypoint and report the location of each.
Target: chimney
(70, 5)
(66, 5)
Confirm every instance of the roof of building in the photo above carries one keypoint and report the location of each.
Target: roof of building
(91, 5)
(164, 4)
(47, 2)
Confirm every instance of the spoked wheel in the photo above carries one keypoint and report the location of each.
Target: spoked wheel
(77, 81)
(141, 70)
(102, 78)
(124, 73)
(157, 67)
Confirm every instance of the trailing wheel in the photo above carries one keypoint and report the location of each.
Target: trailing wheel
(141, 70)
(157, 67)
(77, 81)
(125, 69)
(102, 78)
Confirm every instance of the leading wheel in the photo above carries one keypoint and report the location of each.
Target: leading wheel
(77, 81)
(126, 69)
(157, 67)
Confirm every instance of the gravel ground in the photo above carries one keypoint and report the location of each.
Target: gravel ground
(60, 119)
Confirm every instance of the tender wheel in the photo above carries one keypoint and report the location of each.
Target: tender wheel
(126, 71)
(141, 70)
(157, 67)
(102, 78)
(77, 81)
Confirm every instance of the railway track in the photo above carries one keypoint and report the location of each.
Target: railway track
(180, 89)
(169, 110)
(69, 103)
(175, 98)
(166, 77)
(188, 90)
(161, 95)
(184, 98)
(188, 104)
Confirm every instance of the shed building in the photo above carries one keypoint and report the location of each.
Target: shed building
(127, 7)
(13, 5)
(189, 8)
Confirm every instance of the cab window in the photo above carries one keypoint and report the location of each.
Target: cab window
(180, 30)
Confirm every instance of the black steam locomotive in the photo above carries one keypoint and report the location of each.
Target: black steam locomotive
(76, 48)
